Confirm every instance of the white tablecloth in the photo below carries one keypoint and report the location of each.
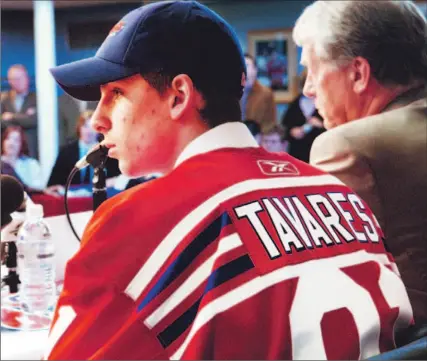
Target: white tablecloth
(22, 345)
(30, 345)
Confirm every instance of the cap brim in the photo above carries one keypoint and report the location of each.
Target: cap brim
(82, 79)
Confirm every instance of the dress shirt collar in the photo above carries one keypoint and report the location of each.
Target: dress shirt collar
(227, 135)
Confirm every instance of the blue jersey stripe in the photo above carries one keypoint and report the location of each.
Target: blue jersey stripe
(204, 239)
(221, 275)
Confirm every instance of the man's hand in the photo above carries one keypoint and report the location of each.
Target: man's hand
(55, 190)
(297, 132)
(7, 116)
(315, 122)
(31, 111)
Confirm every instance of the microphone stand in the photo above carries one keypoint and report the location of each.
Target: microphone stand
(99, 188)
(96, 158)
(12, 279)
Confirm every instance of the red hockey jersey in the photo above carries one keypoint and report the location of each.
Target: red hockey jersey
(238, 253)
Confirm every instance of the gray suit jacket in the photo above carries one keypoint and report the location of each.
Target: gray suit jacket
(383, 158)
(28, 122)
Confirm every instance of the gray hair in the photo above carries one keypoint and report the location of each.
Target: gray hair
(390, 35)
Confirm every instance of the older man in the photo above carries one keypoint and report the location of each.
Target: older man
(368, 61)
(18, 106)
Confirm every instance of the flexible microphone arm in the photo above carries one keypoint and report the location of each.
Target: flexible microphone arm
(96, 157)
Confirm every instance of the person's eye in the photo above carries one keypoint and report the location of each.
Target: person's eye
(117, 92)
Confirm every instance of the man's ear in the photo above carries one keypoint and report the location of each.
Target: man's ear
(181, 95)
(360, 73)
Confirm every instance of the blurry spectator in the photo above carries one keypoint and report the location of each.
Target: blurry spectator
(254, 128)
(303, 123)
(69, 110)
(14, 153)
(257, 101)
(369, 84)
(273, 139)
(276, 69)
(18, 106)
(6, 168)
(72, 152)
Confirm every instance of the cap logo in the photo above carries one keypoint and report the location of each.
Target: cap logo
(116, 28)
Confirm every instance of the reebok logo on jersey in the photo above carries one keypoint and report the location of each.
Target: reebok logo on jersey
(277, 167)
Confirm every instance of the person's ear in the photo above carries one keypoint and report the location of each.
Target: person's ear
(360, 73)
(181, 95)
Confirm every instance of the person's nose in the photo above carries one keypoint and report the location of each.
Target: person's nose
(308, 89)
(100, 121)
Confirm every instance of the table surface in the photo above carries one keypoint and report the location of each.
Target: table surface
(23, 345)
(30, 345)
(79, 200)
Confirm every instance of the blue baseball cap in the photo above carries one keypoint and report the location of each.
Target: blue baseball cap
(171, 37)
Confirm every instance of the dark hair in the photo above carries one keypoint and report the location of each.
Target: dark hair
(249, 56)
(221, 106)
(253, 126)
(24, 142)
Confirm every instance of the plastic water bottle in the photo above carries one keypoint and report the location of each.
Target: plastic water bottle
(36, 265)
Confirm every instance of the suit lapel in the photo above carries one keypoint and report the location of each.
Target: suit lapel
(24, 104)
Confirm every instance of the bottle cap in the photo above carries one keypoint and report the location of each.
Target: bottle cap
(34, 210)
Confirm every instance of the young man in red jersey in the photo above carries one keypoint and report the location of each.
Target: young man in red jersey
(235, 253)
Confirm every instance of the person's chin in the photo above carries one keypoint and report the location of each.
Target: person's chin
(328, 124)
(132, 172)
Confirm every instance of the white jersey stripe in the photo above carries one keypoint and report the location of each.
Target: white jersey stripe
(165, 248)
(260, 283)
(202, 273)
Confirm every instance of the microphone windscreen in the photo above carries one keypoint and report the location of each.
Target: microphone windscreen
(12, 196)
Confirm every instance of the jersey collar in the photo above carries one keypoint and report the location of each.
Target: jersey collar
(227, 135)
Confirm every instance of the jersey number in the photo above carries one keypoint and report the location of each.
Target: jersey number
(332, 294)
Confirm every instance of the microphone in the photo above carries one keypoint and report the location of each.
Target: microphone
(96, 157)
(12, 197)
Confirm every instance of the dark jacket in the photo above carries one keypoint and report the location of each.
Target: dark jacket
(67, 158)
(294, 117)
(28, 122)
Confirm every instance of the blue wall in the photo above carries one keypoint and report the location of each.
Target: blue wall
(17, 27)
(17, 40)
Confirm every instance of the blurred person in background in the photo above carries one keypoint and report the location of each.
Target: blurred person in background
(254, 128)
(273, 139)
(14, 152)
(72, 152)
(257, 102)
(367, 74)
(18, 106)
(69, 110)
(303, 124)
